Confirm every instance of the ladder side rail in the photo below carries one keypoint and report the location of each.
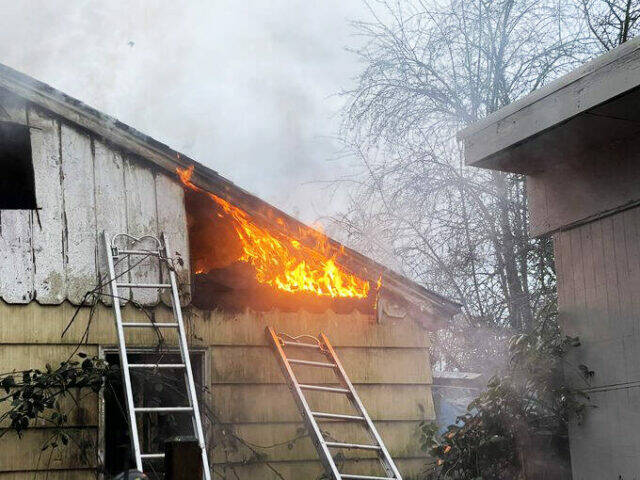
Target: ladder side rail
(184, 350)
(124, 361)
(387, 463)
(301, 401)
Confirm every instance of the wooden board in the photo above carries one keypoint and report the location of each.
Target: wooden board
(274, 403)
(86, 474)
(79, 209)
(410, 468)
(24, 357)
(111, 214)
(26, 453)
(172, 222)
(278, 441)
(16, 252)
(354, 329)
(363, 365)
(16, 256)
(23, 324)
(142, 220)
(48, 229)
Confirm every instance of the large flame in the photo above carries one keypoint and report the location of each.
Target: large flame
(284, 262)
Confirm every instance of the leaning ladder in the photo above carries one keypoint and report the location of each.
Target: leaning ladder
(311, 418)
(161, 251)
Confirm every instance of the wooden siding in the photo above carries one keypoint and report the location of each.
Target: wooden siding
(388, 364)
(598, 267)
(83, 187)
(582, 189)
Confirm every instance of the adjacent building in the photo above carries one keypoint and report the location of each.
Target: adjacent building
(577, 141)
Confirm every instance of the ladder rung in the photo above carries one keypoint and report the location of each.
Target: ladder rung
(312, 364)
(151, 456)
(139, 252)
(149, 325)
(300, 344)
(156, 365)
(337, 416)
(323, 389)
(347, 476)
(144, 285)
(354, 446)
(163, 409)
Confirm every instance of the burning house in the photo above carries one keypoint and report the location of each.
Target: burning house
(71, 173)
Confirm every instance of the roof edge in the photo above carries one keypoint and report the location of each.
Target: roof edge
(128, 138)
(623, 50)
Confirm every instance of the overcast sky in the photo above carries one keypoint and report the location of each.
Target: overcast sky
(247, 88)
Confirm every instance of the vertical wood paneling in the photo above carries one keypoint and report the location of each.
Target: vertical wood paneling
(621, 264)
(633, 248)
(172, 221)
(111, 213)
(16, 261)
(610, 274)
(577, 257)
(48, 233)
(608, 263)
(79, 208)
(16, 251)
(598, 303)
(142, 220)
(565, 280)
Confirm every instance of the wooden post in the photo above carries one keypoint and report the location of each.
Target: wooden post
(183, 459)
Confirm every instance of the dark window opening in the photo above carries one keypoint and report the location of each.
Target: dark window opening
(17, 185)
(151, 388)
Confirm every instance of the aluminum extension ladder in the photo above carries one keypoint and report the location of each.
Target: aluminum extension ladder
(311, 418)
(161, 251)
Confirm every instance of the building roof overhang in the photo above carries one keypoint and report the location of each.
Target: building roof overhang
(595, 105)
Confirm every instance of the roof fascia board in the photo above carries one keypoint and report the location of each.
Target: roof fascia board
(592, 84)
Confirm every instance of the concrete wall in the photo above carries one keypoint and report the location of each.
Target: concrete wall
(388, 364)
(598, 266)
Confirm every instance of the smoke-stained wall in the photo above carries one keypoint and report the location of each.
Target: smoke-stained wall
(50, 258)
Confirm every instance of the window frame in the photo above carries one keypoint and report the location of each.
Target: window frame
(104, 350)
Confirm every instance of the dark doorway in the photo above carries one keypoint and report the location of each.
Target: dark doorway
(17, 185)
(152, 388)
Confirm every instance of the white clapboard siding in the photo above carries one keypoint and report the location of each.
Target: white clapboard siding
(142, 220)
(49, 276)
(172, 220)
(111, 213)
(16, 252)
(79, 208)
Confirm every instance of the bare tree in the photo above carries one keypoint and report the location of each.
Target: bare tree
(612, 22)
(431, 68)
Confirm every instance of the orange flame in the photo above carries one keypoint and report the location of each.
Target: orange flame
(285, 263)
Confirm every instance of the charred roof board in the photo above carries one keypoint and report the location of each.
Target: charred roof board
(593, 105)
(130, 139)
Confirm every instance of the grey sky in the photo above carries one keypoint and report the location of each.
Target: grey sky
(247, 88)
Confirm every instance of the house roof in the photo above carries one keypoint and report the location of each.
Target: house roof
(128, 138)
(593, 105)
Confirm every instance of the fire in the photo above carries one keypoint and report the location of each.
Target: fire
(284, 262)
